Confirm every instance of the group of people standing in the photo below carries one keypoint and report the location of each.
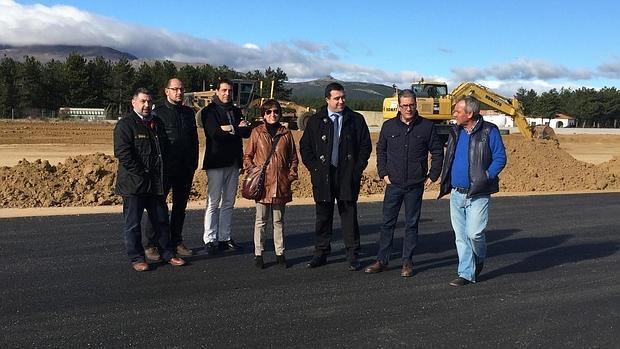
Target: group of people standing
(158, 153)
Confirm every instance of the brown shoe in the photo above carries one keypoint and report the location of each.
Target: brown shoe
(152, 254)
(407, 270)
(182, 250)
(375, 267)
(140, 266)
(176, 262)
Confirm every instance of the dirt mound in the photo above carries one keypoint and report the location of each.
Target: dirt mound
(543, 166)
(84, 180)
(88, 180)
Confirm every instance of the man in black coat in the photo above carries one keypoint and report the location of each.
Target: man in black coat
(335, 147)
(140, 147)
(404, 144)
(181, 163)
(224, 129)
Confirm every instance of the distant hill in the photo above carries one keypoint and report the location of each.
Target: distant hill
(308, 89)
(45, 53)
(354, 90)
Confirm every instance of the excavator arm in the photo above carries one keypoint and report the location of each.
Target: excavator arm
(510, 107)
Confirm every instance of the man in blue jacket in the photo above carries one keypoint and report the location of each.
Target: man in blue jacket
(475, 156)
(404, 144)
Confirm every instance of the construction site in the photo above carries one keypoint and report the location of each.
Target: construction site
(69, 164)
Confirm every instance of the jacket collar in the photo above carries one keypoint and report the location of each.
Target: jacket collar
(263, 129)
(346, 114)
(170, 105)
(416, 119)
(476, 128)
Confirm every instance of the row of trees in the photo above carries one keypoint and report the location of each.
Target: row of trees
(591, 107)
(29, 87)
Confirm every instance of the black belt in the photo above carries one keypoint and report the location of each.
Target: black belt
(461, 190)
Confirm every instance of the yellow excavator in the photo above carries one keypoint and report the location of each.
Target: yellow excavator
(435, 103)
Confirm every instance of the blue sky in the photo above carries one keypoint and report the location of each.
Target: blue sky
(501, 44)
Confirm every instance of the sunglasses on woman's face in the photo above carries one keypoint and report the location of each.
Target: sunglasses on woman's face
(269, 111)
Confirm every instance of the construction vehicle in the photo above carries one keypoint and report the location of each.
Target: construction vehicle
(243, 95)
(435, 103)
(294, 116)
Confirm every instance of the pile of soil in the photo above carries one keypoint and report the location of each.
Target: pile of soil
(85, 180)
(533, 166)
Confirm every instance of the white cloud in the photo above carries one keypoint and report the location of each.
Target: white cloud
(251, 46)
(610, 69)
(522, 69)
(300, 59)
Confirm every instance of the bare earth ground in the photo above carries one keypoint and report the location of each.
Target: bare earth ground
(63, 164)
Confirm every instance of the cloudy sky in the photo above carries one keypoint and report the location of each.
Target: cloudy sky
(501, 44)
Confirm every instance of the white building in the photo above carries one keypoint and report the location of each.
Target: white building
(89, 114)
(499, 119)
(502, 120)
(560, 121)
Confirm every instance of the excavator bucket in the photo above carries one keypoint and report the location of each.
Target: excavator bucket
(544, 132)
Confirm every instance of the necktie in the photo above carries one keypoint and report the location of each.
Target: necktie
(336, 140)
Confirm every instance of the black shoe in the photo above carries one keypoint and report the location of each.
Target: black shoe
(479, 267)
(281, 260)
(354, 266)
(316, 261)
(459, 281)
(258, 262)
(211, 248)
(229, 245)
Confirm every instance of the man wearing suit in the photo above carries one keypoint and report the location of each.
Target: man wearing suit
(335, 147)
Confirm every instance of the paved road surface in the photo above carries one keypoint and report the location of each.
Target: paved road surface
(551, 280)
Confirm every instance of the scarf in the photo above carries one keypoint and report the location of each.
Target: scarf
(272, 128)
(226, 106)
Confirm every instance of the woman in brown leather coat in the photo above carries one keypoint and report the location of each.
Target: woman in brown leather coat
(280, 173)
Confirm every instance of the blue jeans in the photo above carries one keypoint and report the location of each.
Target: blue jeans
(133, 208)
(392, 201)
(469, 217)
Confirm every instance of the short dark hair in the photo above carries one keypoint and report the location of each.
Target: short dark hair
(268, 104)
(140, 90)
(406, 93)
(223, 81)
(332, 86)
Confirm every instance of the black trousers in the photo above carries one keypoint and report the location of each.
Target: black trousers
(133, 209)
(181, 186)
(325, 220)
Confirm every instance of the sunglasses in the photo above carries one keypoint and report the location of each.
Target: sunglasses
(269, 111)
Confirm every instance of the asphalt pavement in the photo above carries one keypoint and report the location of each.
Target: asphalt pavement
(551, 280)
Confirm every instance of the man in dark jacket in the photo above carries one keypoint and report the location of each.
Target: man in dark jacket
(140, 145)
(404, 144)
(475, 156)
(224, 132)
(335, 148)
(181, 163)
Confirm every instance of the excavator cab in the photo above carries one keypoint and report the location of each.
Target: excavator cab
(424, 89)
